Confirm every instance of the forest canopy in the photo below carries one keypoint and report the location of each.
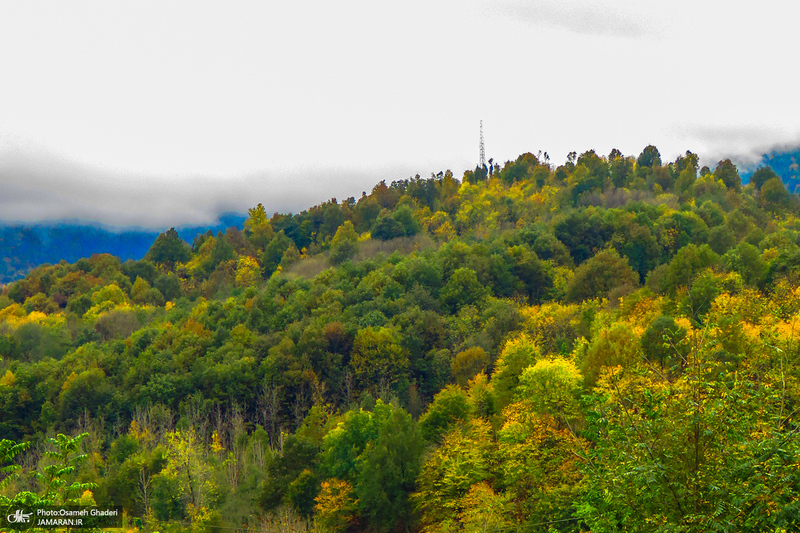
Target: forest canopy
(605, 345)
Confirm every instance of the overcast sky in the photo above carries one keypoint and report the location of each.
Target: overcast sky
(166, 113)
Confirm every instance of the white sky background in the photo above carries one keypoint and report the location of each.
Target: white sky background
(166, 113)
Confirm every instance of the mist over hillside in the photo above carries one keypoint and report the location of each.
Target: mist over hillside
(25, 246)
(784, 161)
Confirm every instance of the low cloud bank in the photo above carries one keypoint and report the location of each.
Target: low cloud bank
(40, 186)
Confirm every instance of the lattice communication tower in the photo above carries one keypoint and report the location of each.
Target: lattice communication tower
(483, 151)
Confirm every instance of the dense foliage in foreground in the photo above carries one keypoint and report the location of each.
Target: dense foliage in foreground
(608, 345)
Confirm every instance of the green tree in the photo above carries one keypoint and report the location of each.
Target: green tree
(300, 453)
(302, 492)
(517, 355)
(273, 253)
(463, 288)
(377, 356)
(539, 469)
(612, 346)
(257, 228)
(599, 275)
(344, 244)
(681, 228)
(727, 172)
(746, 260)
(405, 217)
(169, 285)
(365, 213)
(620, 168)
(139, 290)
(597, 166)
(585, 232)
(336, 506)
(698, 297)
(387, 227)
(712, 214)
(60, 486)
(332, 219)
(110, 294)
(687, 264)
(761, 176)
(662, 343)
(87, 391)
(8, 472)
(685, 180)
(535, 276)
(662, 177)
(469, 363)
(389, 472)
(551, 386)
(707, 451)
(774, 196)
(519, 170)
(290, 257)
(637, 244)
(343, 445)
(221, 252)
(463, 460)
(169, 249)
(649, 157)
(582, 181)
(186, 467)
(721, 239)
(450, 406)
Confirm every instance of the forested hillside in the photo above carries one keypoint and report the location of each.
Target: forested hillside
(25, 246)
(785, 164)
(605, 345)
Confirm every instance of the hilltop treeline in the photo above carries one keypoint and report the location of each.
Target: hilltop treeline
(605, 345)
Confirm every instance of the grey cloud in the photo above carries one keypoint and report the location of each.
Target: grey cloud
(744, 144)
(37, 185)
(580, 17)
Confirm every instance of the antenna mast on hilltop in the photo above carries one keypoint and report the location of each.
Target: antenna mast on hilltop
(483, 152)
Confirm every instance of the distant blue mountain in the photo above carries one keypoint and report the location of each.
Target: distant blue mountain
(784, 163)
(25, 246)
(226, 220)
